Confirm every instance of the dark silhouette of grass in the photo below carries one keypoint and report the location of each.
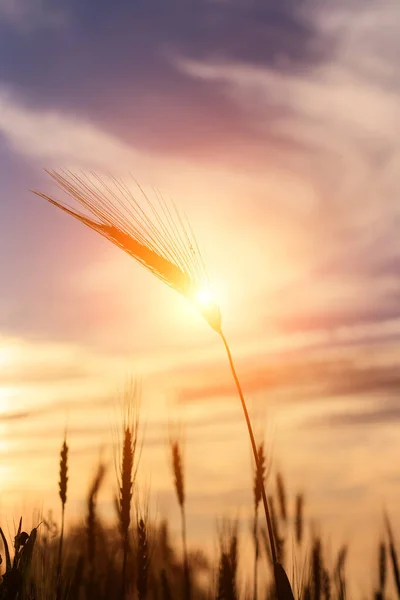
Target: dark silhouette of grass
(93, 558)
(177, 462)
(63, 486)
(259, 476)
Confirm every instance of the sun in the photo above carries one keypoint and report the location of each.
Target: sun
(205, 301)
(205, 297)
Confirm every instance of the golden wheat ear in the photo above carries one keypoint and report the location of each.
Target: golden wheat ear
(151, 231)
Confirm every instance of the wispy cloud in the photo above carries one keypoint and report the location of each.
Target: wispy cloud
(301, 376)
(386, 412)
(55, 137)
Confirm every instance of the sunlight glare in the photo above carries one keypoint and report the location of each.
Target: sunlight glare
(205, 297)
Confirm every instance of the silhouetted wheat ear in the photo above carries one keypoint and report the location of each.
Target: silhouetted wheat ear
(126, 461)
(91, 520)
(142, 560)
(126, 481)
(233, 553)
(281, 493)
(274, 520)
(63, 487)
(228, 565)
(326, 585)
(177, 466)
(179, 482)
(151, 231)
(382, 566)
(259, 474)
(63, 483)
(317, 568)
(340, 573)
(299, 517)
(226, 583)
(259, 477)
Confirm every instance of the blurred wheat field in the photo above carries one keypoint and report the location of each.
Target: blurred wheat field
(135, 554)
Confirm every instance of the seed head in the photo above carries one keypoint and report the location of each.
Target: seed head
(259, 475)
(281, 491)
(63, 473)
(299, 517)
(177, 466)
(151, 231)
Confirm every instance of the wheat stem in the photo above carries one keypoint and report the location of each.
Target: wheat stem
(254, 447)
(142, 560)
(63, 485)
(256, 552)
(186, 572)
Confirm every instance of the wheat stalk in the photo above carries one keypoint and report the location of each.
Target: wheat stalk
(326, 584)
(281, 596)
(340, 575)
(299, 518)
(160, 241)
(63, 487)
(91, 519)
(259, 477)
(281, 492)
(382, 568)
(179, 481)
(228, 564)
(126, 468)
(317, 568)
(142, 559)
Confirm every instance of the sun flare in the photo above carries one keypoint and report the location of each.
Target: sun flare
(205, 296)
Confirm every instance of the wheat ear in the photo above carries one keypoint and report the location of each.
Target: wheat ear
(179, 481)
(63, 487)
(259, 477)
(127, 470)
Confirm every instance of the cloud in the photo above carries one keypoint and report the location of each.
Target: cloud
(117, 70)
(317, 111)
(297, 379)
(77, 404)
(379, 308)
(387, 413)
(53, 136)
(331, 123)
(33, 374)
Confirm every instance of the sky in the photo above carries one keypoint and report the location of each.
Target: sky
(275, 127)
